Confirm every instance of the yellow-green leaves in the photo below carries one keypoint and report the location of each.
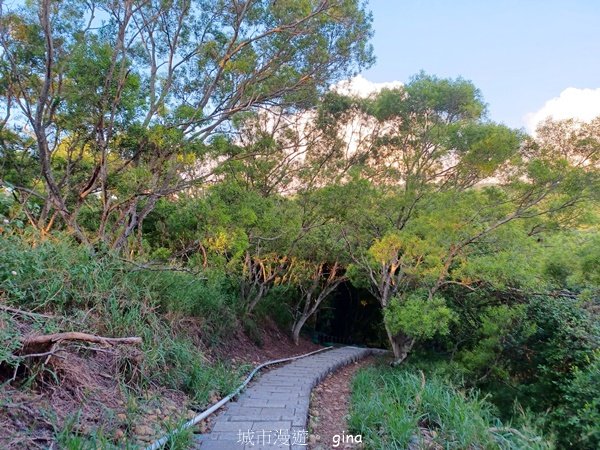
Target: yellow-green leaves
(408, 252)
(418, 316)
(386, 249)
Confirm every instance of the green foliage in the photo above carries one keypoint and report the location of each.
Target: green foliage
(571, 260)
(564, 340)
(576, 419)
(483, 147)
(478, 241)
(497, 322)
(419, 317)
(69, 439)
(179, 439)
(9, 336)
(541, 354)
(389, 405)
(252, 330)
(58, 276)
(276, 305)
(12, 216)
(132, 106)
(181, 367)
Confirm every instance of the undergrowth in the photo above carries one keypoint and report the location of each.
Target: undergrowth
(393, 408)
(60, 286)
(68, 437)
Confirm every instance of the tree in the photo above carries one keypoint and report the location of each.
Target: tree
(316, 270)
(127, 94)
(443, 182)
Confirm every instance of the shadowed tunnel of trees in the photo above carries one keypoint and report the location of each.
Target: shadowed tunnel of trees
(351, 316)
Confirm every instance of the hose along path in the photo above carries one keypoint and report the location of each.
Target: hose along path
(163, 440)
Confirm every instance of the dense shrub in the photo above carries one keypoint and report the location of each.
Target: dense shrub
(392, 408)
(577, 419)
(539, 353)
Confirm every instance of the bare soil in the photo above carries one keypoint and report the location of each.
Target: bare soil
(276, 344)
(329, 408)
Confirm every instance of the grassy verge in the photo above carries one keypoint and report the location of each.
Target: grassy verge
(59, 286)
(400, 408)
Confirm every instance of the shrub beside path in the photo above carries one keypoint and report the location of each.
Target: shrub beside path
(272, 413)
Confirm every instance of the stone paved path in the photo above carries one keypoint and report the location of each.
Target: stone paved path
(273, 412)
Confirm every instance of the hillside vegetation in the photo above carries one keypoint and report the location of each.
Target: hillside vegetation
(182, 174)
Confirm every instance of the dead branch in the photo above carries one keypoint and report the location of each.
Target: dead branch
(25, 313)
(39, 355)
(48, 339)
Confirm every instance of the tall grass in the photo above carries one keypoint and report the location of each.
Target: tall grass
(391, 406)
(100, 293)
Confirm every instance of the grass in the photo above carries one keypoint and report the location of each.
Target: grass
(389, 405)
(103, 295)
(174, 313)
(68, 438)
(178, 439)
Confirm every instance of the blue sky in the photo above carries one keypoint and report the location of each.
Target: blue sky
(519, 53)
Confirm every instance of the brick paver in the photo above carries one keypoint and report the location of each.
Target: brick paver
(272, 413)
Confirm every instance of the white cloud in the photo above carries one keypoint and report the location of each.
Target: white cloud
(359, 86)
(582, 104)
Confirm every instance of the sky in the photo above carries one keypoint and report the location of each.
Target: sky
(530, 58)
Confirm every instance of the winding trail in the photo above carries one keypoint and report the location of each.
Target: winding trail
(273, 412)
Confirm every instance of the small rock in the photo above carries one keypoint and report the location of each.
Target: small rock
(119, 434)
(122, 417)
(202, 427)
(83, 429)
(143, 430)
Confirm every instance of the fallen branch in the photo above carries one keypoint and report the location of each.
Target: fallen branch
(48, 339)
(48, 345)
(25, 313)
(39, 355)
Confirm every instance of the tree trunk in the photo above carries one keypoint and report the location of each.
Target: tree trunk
(401, 345)
(297, 328)
(262, 291)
